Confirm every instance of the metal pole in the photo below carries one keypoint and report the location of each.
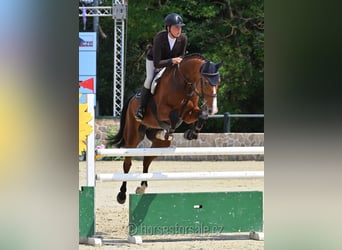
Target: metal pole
(226, 122)
(96, 19)
(119, 16)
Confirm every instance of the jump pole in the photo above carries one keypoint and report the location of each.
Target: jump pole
(173, 151)
(180, 176)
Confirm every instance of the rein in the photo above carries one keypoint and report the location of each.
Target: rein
(186, 81)
(188, 95)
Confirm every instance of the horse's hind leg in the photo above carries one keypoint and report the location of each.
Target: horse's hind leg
(146, 163)
(156, 143)
(121, 197)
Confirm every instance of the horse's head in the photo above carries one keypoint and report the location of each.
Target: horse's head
(209, 86)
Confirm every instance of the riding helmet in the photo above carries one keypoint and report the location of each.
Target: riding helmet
(173, 19)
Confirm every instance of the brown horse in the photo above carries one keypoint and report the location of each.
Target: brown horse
(176, 99)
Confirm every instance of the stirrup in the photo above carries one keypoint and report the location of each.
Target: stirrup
(139, 116)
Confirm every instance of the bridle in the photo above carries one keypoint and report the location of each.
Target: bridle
(192, 90)
(193, 86)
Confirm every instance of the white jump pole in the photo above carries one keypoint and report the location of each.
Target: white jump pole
(173, 151)
(180, 176)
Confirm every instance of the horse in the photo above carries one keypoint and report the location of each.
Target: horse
(177, 96)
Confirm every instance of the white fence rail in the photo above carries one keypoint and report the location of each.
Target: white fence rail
(181, 176)
(173, 151)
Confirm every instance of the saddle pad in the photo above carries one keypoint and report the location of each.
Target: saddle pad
(155, 80)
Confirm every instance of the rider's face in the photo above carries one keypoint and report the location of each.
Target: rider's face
(175, 30)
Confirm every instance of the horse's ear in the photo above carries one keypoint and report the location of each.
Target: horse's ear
(218, 65)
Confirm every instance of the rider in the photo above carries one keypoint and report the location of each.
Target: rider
(168, 47)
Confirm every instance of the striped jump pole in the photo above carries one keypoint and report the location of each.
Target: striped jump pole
(173, 151)
(180, 176)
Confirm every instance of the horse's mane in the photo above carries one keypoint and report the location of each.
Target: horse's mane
(194, 55)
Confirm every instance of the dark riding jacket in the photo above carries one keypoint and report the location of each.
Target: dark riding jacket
(160, 52)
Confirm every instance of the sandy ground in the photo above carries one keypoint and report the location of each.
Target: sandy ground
(112, 218)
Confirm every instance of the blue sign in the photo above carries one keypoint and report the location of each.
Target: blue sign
(87, 60)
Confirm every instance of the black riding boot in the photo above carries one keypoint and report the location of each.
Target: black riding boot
(145, 95)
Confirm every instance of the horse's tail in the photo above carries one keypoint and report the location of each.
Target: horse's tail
(117, 140)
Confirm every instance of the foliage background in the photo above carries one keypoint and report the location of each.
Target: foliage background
(224, 30)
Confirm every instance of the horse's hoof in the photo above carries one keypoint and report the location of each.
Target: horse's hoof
(187, 134)
(190, 135)
(121, 198)
(140, 190)
(160, 135)
(169, 137)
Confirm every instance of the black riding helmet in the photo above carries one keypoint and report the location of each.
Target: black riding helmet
(173, 19)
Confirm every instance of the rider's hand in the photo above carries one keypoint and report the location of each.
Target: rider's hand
(176, 60)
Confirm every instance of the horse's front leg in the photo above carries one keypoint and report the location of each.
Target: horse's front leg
(167, 134)
(175, 121)
(121, 197)
(146, 163)
(192, 133)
